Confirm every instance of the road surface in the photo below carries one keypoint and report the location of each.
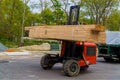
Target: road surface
(28, 68)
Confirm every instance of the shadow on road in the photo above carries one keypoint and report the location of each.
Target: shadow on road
(4, 61)
(101, 60)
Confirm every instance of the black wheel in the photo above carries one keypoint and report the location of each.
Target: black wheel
(71, 68)
(46, 62)
(108, 59)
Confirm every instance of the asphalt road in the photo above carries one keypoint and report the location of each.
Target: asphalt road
(28, 68)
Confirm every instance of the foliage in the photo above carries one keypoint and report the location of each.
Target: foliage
(58, 13)
(99, 10)
(28, 42)
(53, 12)
(11, 19)
(113, 22)
(33, 19)
(47, 17)
(8, 43)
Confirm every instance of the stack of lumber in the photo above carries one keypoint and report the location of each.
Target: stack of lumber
(99, 28)
(68, 32)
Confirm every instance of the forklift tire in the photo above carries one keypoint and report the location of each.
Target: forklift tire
(71, 68)
(46, 62)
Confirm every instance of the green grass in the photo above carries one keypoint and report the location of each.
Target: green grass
(8, 43)
(27, 42)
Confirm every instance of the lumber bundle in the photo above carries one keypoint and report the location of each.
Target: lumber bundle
(99, 28)
(68, 32)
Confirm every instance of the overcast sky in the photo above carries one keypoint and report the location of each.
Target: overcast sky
(34, 2)
(37, 1)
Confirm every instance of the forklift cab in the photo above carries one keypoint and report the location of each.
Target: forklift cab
(83, 52)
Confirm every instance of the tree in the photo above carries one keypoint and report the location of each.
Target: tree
(23, 21)
(65, 5)
(43, 4)
(113, 22)
(33, 19)
(47, 17)
(99, 10)
(11, 19)
(58, 13)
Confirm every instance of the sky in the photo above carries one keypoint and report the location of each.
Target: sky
(35, 10)
(32, 2)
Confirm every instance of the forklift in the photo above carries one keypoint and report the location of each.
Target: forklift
(75, 55)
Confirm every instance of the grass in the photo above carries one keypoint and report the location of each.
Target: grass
(27, 42)
(8, 43)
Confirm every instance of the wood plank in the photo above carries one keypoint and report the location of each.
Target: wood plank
(68, 32)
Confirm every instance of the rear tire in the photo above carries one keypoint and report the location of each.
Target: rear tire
(71, 68)
(46, 62)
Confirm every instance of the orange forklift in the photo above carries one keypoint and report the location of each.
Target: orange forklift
(75, 55)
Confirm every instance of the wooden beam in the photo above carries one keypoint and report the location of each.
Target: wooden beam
(68, 32)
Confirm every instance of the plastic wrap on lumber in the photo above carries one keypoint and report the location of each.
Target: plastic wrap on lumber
(67, 32)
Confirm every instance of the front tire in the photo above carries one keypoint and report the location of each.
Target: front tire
(46, 62)
(71, 68)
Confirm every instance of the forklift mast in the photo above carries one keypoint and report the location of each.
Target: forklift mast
(73, 18)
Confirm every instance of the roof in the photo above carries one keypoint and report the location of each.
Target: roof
(113, 37)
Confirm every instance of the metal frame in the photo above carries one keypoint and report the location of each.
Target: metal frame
(74, 14)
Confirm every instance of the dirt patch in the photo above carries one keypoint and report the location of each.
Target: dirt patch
(42, 47)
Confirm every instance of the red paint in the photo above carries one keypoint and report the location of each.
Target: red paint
(82, 63)
(90, 59)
